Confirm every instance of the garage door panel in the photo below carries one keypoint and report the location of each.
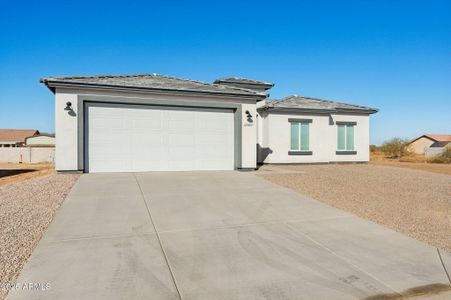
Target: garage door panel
(149, 124)
(146, 140)
(136, 138)
(181, 125)
(214, 139)
(108, 124)
(176, 139)
(212, 152)
(214, 122)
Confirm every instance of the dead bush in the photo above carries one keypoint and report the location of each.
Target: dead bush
(396, 148)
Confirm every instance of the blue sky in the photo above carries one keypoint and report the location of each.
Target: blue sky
(392, 55)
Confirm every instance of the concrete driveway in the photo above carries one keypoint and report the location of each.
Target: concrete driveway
(219, 235)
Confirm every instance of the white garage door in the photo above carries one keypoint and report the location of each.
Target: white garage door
(130, 138)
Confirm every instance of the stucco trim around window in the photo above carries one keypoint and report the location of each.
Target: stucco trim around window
(345, 152)
(345, 123)
(300, 120)
(300, 153)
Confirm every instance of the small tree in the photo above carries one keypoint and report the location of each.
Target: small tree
(396, 147)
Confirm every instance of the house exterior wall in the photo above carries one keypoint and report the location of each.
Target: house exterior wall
(274, 142)
(434, 151)
(66, 123)
(248, 137)
(40, 140)
(419, 146)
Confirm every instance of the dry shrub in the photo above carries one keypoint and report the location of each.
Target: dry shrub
(377, 156)
(374, 149)
(396, 148)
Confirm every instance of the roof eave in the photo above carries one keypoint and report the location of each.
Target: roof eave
(368, 111)
(46, 83)
(297, 110)
(54, 84)
(319, 111)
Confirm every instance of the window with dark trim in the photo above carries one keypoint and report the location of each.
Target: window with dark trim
(300, 136)
(345, 133)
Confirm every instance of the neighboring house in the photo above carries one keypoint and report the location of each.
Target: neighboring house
(41, 140)
(153, 122)
(430, 144)
(15, 137)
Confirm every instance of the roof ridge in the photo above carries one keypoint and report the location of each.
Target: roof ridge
(207, 83)
(324, 100)
(149, 75)
(103, 76)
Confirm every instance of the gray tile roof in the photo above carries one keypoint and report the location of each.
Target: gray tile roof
(242, 81)
(440, 144)
(308, 103)
(150, 82)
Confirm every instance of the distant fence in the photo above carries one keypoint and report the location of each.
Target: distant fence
(27, 155)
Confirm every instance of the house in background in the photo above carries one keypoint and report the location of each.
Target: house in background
(41, 140)
(151, 122)
(430, 144)
(15, 137)
(26, 146)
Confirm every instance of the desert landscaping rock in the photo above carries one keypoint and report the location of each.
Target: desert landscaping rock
(26, 210)
(413, 202)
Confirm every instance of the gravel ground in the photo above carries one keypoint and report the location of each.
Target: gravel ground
(412, 202)
(26, 210)
(430, 167)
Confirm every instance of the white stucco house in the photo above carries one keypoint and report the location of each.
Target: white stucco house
(150, 122)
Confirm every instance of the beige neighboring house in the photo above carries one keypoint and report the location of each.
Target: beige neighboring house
(42, 140)
(26, 146)
(430, 144)
(15, 137)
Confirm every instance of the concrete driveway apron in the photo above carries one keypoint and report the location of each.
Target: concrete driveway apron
(220, 235)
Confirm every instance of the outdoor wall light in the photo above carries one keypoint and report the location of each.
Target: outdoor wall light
(68, 106)
(249, 116)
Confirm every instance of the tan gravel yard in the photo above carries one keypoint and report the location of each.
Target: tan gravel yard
(413, 202)
(26, 210)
